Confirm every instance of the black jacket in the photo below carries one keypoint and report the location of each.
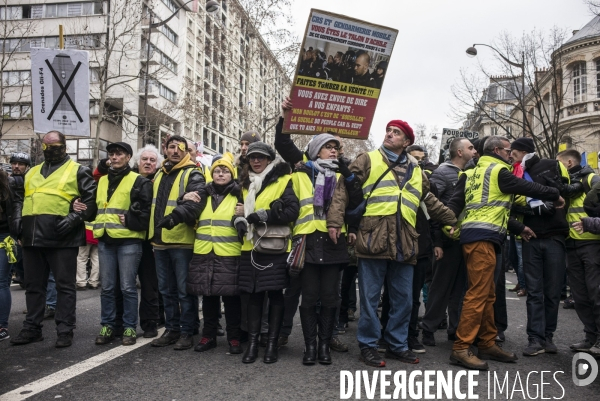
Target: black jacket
(445, 178)
(186, 211)
(10, 215)
(40, 231)
(285, 146)
(275, 276)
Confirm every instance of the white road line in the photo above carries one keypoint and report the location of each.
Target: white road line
(52, 380)
(514, 299)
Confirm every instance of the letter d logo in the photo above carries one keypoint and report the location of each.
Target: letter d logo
(579, 370)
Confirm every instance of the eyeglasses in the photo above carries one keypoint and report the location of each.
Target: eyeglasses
(258, 157)
(396, 131)
(224, 171)
(329, 147)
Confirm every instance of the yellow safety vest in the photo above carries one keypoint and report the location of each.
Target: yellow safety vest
(181, 233)
(51, 195)
(384, 199)
(272, 192)
(308, 222)
(107, 219)
(89, 225)
(216, 231)
(576, 212)
(486, 207)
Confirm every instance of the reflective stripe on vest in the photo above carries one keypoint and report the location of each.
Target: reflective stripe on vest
(107, 220)
(486, 207)
(53, 194)
(216, 231)
(271, 193)
(181, 233)
(384, 199)
(308, 222)
(576, 212)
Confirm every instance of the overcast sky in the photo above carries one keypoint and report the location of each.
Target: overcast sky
(433, 36)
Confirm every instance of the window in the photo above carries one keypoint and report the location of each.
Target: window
(579, 82)
(16, 78)
(94, 75)
(493, 112)
(213, 141)
(501, 94)
(94, 108)
(171, 5)
(598, 78)
(494, 130)
(16, 111)
(509, 109)
(166, 92)
(205, 137)
(509, 129)
(169, 33)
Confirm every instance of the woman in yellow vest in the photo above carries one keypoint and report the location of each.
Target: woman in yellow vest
(268, 199)
(123, 200)
(314, 183)
(214, 268)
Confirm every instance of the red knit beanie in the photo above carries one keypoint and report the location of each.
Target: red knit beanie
(403, 125)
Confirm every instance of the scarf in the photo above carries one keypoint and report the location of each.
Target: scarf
(256, 182)
(324, 184)
(115, 177)
(393, 157)
(219, 192)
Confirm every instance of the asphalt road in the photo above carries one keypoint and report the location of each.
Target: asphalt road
(148, 373)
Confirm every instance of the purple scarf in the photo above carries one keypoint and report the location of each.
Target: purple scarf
(324, 185)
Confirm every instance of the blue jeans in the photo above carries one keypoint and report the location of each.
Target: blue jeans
(399, 276)
(5, 276)
(544, 265)
(181, 309)
(119, 261)
(51, 292)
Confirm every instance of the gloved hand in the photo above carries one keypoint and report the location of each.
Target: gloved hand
(277, 208)
(343, 169)
(241, 226)
(135, 208)
(252, 218)
(259, 216)
(168, 222)
(67, 224)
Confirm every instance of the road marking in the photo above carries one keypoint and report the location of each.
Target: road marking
(516, 299)
(54, 379)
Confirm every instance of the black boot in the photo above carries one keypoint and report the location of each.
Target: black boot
(275, 321)
(326, 322)
(254, 317)
(308, 317)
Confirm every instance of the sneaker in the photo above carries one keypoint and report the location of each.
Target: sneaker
(283, 340)
(569, 303)
(404, 356)
(106, 335)
(205, 344)
(129, 336)
(415, 346)
(549, 346)
(467, 359)
(382, 345)
(64, 340)
(49, 313)
(186, 341)
(337, 345)
(595, 350)
(341, 327)
(235, 347)
(534, 348)
(583, 346)
(168, 337)
(428, 338)
(371, 357)
(4, 334)
(351, 315)
(27, 336)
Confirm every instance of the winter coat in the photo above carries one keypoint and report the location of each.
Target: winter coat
(591, 225)
(382, 230)
(445, 178)
(213, 275)
(274, 277)
(40, 230)
(10, 215)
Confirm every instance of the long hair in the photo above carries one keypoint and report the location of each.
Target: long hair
(4, 188)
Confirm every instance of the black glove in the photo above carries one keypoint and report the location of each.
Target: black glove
(67, 224)
(241, 225)
(253, 218)
(277, 208)
(135, 208)
(343, 169)
(259, 216)
(167, 222)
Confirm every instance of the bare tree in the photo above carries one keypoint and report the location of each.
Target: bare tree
(427, 139)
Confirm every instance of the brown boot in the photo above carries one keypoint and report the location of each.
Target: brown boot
(466, 358)
(497, 354)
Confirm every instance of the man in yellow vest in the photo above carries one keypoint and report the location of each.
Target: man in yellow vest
(486, 195)
(172, 233)
(583, 256)
(386, 241)
(123, 200)
(51, 235)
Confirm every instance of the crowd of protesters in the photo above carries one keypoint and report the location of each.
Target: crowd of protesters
(271, 231)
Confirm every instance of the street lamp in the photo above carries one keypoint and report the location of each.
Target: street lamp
(212, 7)
(472, 52)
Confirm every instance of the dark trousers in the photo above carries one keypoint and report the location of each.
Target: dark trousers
(584, 280)
(500, 312)
(320, 282)
(291, 299)
(544, 264)
(418, 281)
(447, 289)
(18, 265)
(38, 262)
(258, 298)
(348, 292)
(211, 308)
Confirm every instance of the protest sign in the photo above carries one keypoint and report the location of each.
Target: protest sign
(339, 75)
(448, 134)
(60, 91)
